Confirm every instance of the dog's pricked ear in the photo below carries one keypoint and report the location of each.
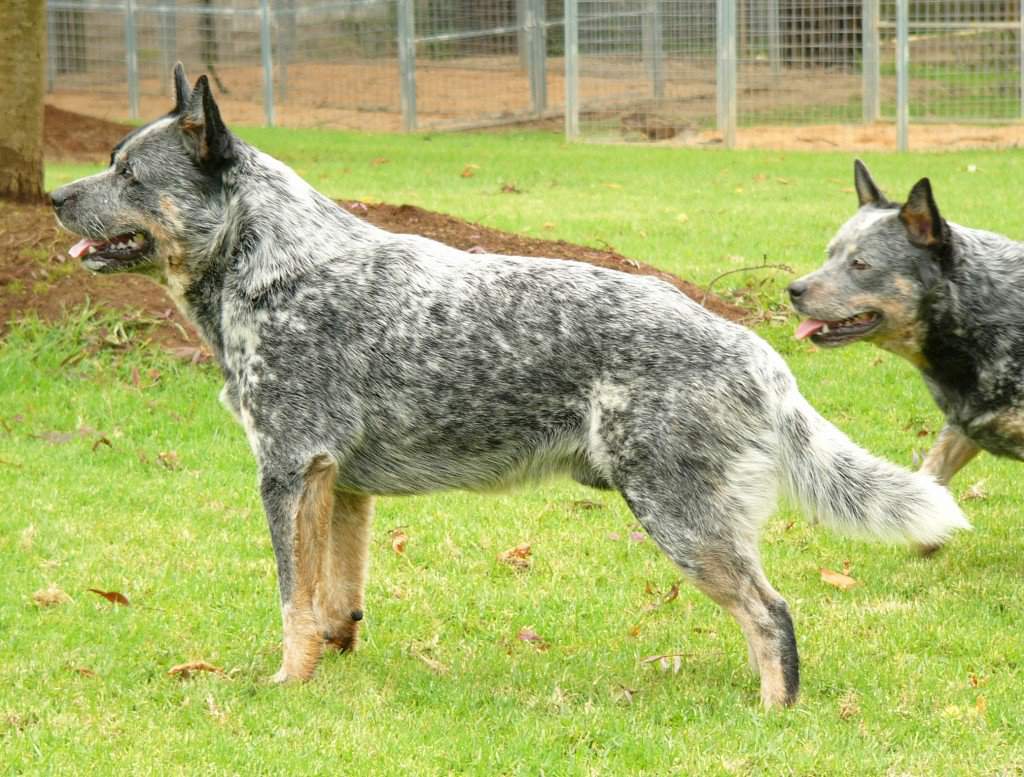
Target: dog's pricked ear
(867, 192)
(182, 91)
(204, 130)
(920, 217)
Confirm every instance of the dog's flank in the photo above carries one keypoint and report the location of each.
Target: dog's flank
(363, 363)
(943, 296)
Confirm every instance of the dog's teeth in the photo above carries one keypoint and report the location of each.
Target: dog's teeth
(91, 250)
(824, 329)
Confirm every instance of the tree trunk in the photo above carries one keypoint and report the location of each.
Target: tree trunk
(22, 82)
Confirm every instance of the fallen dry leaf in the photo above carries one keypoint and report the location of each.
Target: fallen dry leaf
(510, 188)
(849, 706)
(85, 671)
(381, 160)
(433, 664)
(101, 441)
(975, 492)
(398, 540)
(469, 170)
(184, 671)
(837, 579)
(191, 353)
(981, 705)
(112, 596)
(517, 557)
(669, 662)
(169, 459)
(50, 596)
(527, 634)
(28, 534)
(585, 504)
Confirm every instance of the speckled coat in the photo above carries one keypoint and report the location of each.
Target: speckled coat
(363, 363)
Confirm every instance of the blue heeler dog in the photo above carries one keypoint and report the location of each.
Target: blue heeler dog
(362, 363)
(947, 298)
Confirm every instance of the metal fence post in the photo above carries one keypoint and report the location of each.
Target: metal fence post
(168, 42)
(871, 62)
(726, 71)
(268, 63)
(522, 39)
(572, 70)
(652, 42)
(1020, 48)
(131, 58)
(538, 53)
(774, 37)
(407, 63)
(51, 50)
(902, 76)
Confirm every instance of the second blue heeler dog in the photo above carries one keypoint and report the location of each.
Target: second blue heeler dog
(948, 298)
(362, 363)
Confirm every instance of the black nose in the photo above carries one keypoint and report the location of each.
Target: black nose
(796, 289)
(61, 196)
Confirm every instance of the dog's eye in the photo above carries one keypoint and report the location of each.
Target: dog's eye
(859, 264)
(125, 172)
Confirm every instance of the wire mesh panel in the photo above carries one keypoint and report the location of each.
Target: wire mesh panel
(799, 61)
(646, 68)
(336, 64)
(486, 61)
(965, 59)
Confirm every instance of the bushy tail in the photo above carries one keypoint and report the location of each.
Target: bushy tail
(855, 493)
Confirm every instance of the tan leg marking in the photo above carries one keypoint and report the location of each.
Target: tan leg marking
(745, 597)
(303, 640)
(948, 455)
(340, 603)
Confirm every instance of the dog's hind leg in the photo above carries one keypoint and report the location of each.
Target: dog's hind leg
(299, 503)
(948, 455)
(340, 604)
(712, 536)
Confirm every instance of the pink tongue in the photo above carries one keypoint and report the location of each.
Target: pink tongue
(808, 328)
(82, 246)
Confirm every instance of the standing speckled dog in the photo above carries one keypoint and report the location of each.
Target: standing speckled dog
(947, 298)
(361, 362)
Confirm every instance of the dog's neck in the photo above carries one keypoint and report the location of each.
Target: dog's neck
(973, 319)
(273, 227)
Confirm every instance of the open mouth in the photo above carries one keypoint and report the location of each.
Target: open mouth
(835, 333)
(118, 253)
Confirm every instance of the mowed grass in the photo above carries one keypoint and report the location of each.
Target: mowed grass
(917, 670)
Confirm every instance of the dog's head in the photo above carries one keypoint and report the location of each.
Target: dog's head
(880, 265)
(160, 194)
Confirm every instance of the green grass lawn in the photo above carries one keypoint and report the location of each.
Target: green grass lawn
(916, 671)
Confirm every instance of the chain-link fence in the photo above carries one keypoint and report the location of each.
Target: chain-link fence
(624, 69)
(358, 64)
(702, 69)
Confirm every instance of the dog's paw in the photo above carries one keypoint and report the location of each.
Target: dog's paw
(926, 551)
(344, 637)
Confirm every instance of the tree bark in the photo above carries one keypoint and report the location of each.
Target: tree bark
(22, 84)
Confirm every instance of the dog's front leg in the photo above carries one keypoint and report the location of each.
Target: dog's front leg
(299, 501)
(340, 600)
(948, 455)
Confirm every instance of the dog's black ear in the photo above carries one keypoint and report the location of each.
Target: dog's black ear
(920, 217)
(182, 91)
(204, 130)
(867, 192)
